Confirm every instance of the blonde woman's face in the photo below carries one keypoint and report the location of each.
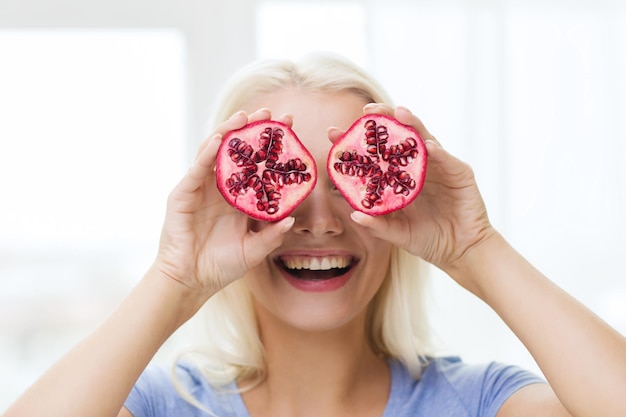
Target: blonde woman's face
(328, 268)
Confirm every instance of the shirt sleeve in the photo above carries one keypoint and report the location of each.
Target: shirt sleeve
(500, 382)
(158, 393)
(485, 388)
(147, 396)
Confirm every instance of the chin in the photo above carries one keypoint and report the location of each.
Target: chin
(313, 291)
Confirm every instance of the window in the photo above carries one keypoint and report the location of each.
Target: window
(339, 27)
(92, 140)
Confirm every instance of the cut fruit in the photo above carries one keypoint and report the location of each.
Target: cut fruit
(264, 170)
(378, 165)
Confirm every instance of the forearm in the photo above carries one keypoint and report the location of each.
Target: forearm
(582, 357)
(96, 376)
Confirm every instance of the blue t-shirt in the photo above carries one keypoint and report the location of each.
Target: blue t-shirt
(447, 388)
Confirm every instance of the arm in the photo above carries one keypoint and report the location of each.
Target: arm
(583, 359)
(96, 376)
(196, 258)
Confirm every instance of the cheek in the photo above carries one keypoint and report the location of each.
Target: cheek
(380, 258)
(258, 276)
(262, 283)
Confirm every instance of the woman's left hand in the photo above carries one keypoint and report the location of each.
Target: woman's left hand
(447, 219)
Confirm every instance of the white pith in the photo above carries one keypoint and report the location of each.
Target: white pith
(316, 263)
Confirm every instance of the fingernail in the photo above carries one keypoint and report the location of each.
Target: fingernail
(287, 223)
(359, 218)
(405, 109)
(431, 143)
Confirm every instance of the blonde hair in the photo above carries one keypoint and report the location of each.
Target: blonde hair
(228, 345)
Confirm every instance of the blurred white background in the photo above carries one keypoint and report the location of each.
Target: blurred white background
(102, 104)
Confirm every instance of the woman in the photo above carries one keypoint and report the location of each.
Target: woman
(356, 348)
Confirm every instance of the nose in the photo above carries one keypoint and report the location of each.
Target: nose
(315, 215)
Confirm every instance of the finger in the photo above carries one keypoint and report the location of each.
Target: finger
(435, 150)
(405, 116)
(261, 114)
(202, 166)
(378, 108)
(445, 168)
(236, 121)
(286, 118)
(382, 227)
(437, 153)
(258, 245)
(334, 134)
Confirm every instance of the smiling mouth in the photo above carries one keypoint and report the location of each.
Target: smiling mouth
(316, 268)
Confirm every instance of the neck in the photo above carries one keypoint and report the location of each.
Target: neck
(330, 372)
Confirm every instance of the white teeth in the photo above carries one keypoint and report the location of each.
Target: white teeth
(316, 263)
(325, 264)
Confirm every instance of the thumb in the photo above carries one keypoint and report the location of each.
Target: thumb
(259, 244)
(381, 227)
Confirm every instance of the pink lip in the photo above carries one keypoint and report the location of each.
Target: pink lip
(325, 285)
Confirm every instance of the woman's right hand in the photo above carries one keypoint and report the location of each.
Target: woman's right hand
(205, 243)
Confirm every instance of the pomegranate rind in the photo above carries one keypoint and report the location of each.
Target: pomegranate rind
(264, 187)
(378, 164)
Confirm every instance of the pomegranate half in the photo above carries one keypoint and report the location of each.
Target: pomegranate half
(378, 165)
(264, 170)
